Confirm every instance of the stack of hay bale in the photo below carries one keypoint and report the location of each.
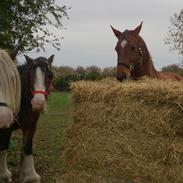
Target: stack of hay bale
(125, 132)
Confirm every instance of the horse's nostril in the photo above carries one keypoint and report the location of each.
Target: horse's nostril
(38, 103)
(121, 77)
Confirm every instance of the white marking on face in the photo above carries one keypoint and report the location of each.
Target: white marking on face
(27, 170)
(5, 174)
(124, 43)
(38, 100)
(39, 80)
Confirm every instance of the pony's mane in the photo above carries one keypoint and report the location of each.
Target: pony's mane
(10, 82)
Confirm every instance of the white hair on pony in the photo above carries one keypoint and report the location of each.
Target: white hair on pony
(10, 82)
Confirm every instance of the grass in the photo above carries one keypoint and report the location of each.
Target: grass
(48, 141)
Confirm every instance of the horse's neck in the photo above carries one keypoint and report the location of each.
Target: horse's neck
(146, 68)
(150, 69)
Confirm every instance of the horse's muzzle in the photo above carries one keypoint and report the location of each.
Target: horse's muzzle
(38, 102)
(121, 77)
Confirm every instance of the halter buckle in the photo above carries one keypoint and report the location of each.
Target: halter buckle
(131, 67)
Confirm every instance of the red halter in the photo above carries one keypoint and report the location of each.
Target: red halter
(50, 88)
(40, 92)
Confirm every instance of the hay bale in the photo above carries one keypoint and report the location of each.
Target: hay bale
(123, 132)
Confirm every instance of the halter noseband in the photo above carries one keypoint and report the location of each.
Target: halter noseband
(45, 93)
(130, 67)
(40, 92)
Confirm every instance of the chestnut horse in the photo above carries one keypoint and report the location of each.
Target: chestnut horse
(36, 77)
(134, 59)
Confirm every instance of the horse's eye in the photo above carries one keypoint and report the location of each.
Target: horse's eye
(133, 48)
(50, 75)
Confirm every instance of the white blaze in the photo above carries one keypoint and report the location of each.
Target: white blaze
(38, 100)
(123, 43)
(39, 80)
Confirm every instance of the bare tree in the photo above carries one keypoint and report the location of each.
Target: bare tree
(175, 34)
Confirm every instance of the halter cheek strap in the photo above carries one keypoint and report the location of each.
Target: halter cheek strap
(50, 88)
(131, 66)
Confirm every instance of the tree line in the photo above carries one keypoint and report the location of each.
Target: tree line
(28, 24)
(175, 68)
(65, 75)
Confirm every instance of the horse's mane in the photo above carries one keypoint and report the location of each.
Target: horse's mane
(147, 57)
(10, 82)
(26, 95)
(147, 53)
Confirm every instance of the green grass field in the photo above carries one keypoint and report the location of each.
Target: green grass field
(48, 141)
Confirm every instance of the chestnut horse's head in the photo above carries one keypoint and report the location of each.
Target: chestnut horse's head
(129, 51)
(39, 77)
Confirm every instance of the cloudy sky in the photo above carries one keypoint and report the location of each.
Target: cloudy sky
(88, 39)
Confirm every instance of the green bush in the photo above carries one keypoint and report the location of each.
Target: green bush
(66, 75)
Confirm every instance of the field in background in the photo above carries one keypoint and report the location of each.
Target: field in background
(48, 140)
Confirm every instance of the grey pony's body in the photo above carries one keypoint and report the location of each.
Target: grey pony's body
(10, 89)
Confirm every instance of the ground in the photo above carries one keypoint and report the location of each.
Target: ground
(48, 142)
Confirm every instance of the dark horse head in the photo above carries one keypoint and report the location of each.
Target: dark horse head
(39, 77)
(129, 51)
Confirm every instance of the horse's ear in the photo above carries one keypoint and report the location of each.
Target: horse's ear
(50, 59)
(28, 59)
(137, 29)
(116, 32)
(13, 53)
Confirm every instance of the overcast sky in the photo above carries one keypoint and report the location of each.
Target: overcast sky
(89, 40)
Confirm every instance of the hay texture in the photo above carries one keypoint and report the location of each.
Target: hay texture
(129, 132)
